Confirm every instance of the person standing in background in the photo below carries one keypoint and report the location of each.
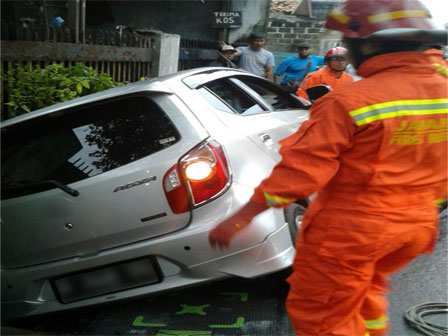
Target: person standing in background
(333, 75)
(296, 68)
(255, 58)
(225, 57)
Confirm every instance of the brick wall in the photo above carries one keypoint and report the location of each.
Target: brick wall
(285, 30)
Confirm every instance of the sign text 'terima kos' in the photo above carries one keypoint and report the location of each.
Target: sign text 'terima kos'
(227, 19)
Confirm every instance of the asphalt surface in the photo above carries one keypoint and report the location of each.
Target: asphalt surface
(424, 280)
(237, 306)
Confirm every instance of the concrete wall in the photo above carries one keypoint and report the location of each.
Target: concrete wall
(285, 30)
(189, 18)
(165, 60)
(255, 16)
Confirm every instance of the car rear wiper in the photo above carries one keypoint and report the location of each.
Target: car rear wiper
(36, 185)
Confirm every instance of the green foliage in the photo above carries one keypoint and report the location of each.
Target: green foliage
(29, 88)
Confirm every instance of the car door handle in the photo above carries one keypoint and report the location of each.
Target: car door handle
(266, 138)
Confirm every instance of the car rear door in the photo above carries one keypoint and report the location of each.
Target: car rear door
(257, 108)
(79, 181)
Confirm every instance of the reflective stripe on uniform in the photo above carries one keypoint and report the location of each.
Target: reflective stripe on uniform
(442, 69)
(276, 200)
(399, 108)
(339, 16)
(439, 202)
(413, 13)
(379, 323)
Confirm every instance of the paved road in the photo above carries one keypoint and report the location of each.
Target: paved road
(423, 280)
(236, 307)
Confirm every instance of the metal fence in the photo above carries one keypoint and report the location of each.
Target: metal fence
(125, 56)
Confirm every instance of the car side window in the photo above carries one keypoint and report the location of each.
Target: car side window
(235, 97)
(213, 100)
(72, 145)
(271, 94)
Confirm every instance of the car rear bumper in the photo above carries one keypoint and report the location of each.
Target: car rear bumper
(28, 291)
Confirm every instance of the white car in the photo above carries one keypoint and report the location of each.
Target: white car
(113, 195)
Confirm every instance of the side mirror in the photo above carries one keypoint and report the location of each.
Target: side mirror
(305, 103)
(317, 91)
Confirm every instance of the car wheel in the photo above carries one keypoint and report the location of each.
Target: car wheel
(294, 216)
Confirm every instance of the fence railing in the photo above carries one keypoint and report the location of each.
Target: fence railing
(11, 32)
(126, 57)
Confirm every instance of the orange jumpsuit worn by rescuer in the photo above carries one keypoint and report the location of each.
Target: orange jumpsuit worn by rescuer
(333, 75)
(379, 164)
(323, 76)
(375, 150)
(437, 57)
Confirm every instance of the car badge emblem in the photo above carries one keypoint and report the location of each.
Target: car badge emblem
(136, 183)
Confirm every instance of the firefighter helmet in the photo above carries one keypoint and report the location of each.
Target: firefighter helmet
(385, 19)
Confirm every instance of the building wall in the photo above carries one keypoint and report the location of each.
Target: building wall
(188, 18)
(285, 30)
(255, 17)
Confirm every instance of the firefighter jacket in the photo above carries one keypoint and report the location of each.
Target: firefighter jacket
(324, 76)
(378, 143)
(437, 57)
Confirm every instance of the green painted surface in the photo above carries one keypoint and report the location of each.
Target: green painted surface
(186, 309)
(238, 324)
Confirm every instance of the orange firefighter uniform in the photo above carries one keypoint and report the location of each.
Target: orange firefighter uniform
(376, 152)
(437, 57)
(324, 76)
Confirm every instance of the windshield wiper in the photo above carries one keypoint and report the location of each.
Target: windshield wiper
(39, 184)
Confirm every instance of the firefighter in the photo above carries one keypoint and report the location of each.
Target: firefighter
(439, 57)
(375, 151)
(333, 75)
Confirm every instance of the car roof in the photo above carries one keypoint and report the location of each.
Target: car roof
(158, 84)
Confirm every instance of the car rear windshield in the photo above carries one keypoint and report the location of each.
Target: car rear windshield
(71, 145)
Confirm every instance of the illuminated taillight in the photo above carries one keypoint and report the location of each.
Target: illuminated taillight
(201, 175)
(199, 171)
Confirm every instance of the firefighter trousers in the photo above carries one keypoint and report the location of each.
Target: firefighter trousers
(341, 267)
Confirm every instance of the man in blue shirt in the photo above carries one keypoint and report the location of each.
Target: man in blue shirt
(296, 68)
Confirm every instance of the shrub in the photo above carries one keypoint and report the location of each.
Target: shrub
(29, 88)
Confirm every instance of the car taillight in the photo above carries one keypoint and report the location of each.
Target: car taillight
(200, 175)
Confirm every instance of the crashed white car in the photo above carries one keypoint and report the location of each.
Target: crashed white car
(113, 195)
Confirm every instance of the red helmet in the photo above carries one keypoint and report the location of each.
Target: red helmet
(335, 52)
(385, 19)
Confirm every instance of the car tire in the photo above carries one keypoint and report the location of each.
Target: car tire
(294, 216)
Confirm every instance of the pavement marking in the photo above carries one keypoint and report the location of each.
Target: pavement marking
(238, 324)
(186, 309)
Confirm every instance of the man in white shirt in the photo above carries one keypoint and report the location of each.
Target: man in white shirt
(255, 58)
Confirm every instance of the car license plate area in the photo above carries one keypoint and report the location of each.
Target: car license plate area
(105, 280)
